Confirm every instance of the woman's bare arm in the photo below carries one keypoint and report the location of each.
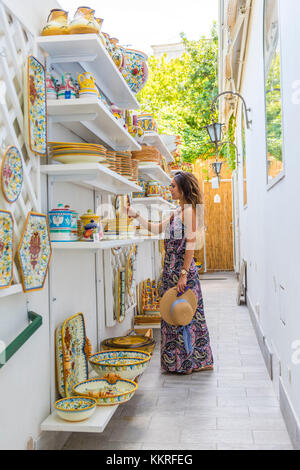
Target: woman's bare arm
(156, 228)
(190, 224)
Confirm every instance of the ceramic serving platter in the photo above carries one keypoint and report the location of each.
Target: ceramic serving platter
(128, 342)
(71, 354)
(6, 249)
(105, 392)
(34, 252)
(12, 174)
(36, 106)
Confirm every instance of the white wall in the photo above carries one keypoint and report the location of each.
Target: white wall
(270, 225)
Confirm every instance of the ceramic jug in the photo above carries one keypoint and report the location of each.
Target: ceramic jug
(117, 54)
(84, 22)
(57, 23)
(87, 84)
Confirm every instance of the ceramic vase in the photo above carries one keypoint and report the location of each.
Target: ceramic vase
(135, 71)
(57, 23)
(153, 189)
(84, 22)
(147, 124)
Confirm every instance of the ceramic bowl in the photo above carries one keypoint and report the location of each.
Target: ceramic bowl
(107, 392)
(127, 364)
(76, 408)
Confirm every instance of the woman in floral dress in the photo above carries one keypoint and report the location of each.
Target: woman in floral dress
(183, 350)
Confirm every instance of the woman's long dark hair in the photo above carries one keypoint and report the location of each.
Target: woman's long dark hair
(189, 185)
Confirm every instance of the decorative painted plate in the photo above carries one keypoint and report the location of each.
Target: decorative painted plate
(12, 174)
(34, 252)
(6, 248)
(36, 106)
(72, 351)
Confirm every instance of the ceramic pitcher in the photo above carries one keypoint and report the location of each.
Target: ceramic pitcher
(57, 23)
(84, 22)
(87, 84)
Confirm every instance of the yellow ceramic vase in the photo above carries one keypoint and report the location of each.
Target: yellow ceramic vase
(57, 23)
(84, 22)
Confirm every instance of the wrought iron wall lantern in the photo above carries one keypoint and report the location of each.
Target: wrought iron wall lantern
(214, 130)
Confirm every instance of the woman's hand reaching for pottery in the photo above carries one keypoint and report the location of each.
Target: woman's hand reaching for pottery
(131, 212)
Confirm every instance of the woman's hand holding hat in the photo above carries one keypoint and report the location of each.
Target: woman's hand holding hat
(181, 284)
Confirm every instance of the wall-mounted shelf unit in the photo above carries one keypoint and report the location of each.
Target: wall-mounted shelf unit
(156, 141)
(12, 290)
(154, 173)
(91, 176)
(90, 246)
(88, 51)
(90, 119)
(95, 424)
(158, 202)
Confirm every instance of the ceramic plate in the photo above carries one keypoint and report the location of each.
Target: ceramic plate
(79, 159)
(71, 343)
(12, 174)
(6, 249)
(36, 107)
(34, 252)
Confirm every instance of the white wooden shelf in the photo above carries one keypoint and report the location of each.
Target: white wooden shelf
(89, 52)
(144, 326)
(90, 246)
(95, 424)
(12, 290)
(91, 175)
(154, 173)
(90, 119)
(157, 201)
(155, 140)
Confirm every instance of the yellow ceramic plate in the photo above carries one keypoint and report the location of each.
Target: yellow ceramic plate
(79, 159)
(77, 152)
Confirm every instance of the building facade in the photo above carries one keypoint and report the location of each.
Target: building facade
(259, 60)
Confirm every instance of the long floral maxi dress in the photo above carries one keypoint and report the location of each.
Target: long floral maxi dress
(175, 355)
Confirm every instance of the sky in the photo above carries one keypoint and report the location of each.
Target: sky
(141, 25)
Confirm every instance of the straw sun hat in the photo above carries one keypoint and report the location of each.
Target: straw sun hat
(178, 310)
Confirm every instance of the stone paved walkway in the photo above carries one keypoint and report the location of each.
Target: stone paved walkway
(233, 407)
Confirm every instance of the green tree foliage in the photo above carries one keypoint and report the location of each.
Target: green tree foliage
(273, 105)
(179, 93)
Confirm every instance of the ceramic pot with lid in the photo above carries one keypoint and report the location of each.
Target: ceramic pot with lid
(63, 224)
(90, 227)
